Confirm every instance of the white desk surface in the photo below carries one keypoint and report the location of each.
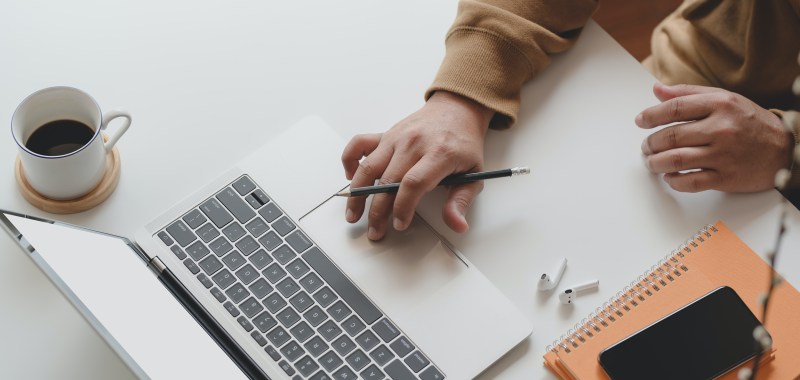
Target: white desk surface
(207, 82)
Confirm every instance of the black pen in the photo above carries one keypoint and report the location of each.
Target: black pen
(455, 179)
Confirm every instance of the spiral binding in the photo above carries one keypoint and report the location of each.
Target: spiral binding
(652, 281)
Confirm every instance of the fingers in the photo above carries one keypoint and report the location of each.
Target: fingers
(381, 205)
(680, 159)
(358, 147)
(694, 182)
(368, 170)
(676, 136)
(664, 92)
(458, 203)
(678, 109)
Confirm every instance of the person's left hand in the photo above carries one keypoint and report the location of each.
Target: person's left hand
(726, 141)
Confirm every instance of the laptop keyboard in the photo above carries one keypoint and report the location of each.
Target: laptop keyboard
(287, 294)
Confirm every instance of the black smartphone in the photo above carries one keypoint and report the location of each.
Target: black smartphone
(702, 340)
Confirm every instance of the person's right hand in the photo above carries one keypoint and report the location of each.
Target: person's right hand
(444, 137)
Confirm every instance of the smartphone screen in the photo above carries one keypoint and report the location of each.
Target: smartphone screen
(702, 340)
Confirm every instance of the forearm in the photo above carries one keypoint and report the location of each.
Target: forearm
(495, 46)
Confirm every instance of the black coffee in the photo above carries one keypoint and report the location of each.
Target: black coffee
(59, 137)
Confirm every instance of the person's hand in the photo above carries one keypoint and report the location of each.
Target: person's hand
(736, 145)
(444, 137)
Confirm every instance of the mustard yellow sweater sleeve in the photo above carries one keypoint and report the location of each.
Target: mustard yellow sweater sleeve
(495, 46)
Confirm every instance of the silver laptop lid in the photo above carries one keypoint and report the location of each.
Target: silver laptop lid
(108, 282)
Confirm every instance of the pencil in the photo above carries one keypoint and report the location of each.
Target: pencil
(455, 179)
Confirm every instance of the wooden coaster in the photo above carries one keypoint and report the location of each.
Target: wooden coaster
(71, 206)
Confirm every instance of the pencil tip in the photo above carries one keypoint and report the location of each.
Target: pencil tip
(343, 193)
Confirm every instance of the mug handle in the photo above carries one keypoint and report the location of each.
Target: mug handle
(113, 138)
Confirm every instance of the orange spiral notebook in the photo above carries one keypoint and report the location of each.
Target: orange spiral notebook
(714, 257)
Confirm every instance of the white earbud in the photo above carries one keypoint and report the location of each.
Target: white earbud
(546, 282)
(568, 295)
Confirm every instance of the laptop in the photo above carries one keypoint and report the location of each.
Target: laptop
(257, 275)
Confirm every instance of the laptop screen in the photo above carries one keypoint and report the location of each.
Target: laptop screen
(121, 298)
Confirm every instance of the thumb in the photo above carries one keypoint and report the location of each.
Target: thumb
(665, 92)
(459, 200)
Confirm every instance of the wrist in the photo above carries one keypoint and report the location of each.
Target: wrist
(468, 107)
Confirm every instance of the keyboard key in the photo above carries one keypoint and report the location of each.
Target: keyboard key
(381, 355)
(210, 265)
(299, 241)
(278, 336)
(339, 311)
(401, 346)
(386, 330)
(337, 280)
(319, 376)
(257, 227)
(236, 205)
(315, 316)
(270, 241)
(311, 283)
(397, 371)
(243, 185)
(352, 326)
(264, 322)
(179, 253)
(205, 280)
(358, 360)
(367, 340)
(273, 353)
(287, 287)
(260, 259)
(283, 226)
(301, 301)
(270, 212)
(260, 288)
(197, 250)
(207, 232)
(220, 246)
(234, 260)
(253, 201)
(325, 296)
(330, 361)
(233, 231)
(274, 303)
(246, 325)
(316, 346)
(343, 345)
(165, 238)
(231, 308)
(223, 278)
(329, 330)
(292, 351)
(288, 317)
(263, 198)
(306, 366)
(259, 338)
(297, 268)
(417, 361)
(237, 293)
(343, 373)
(214, 210)
(194, 218)
(191, 266)
(181, 233)
(431, 374)
(274, 273)
(283, 254)
(218, 294)
(302, 332)
(247, 274)
(251, 307)
(372, 373)
(247, 245)
(287, 368)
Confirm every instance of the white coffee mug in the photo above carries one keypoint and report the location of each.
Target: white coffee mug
(71, 174)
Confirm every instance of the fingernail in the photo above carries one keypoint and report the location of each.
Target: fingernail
(372, 234)
(645, 147)
(350, 215)
(398, 224)
(639, 119)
